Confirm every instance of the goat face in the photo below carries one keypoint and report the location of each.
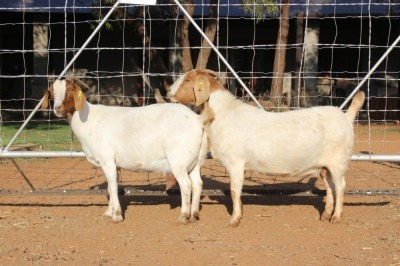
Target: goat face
(194, 87)
(67, 96)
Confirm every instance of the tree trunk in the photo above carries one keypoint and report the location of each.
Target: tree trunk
(280, 53)
(175, 40)
(310, 67)
(210, 32)
(187, 63)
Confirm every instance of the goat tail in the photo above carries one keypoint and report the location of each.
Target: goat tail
(355, 106)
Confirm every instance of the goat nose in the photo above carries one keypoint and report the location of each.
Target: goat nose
(57, 108)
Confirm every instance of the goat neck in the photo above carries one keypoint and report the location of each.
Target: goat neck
(222, 100)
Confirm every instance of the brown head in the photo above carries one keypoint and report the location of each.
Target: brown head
(67, 97)
(194, 87)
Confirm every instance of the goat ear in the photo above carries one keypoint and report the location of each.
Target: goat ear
(45, 103)
(201, 90)
(79, 98)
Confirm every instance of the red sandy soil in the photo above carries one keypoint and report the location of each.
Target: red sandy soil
(63, 224)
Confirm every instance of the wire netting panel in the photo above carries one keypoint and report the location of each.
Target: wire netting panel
(324, 49)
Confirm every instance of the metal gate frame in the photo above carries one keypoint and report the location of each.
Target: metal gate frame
(5, 153)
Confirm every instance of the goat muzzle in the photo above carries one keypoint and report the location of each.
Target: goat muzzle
(59, 111)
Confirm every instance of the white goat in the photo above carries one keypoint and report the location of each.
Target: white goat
(169, 138)
(314, 141)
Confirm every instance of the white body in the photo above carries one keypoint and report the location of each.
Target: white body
(167, 138)
(316, 141)
(142, 138)
(292, 143)
(158, 138)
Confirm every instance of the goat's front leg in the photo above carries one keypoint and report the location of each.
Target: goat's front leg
(114, 208)
(237, 177)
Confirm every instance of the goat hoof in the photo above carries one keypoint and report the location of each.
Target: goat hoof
(326, 216)
(183, 218)
(335, 219)
(193, 219)
(234, 222)
(108, 214)
(117, 218)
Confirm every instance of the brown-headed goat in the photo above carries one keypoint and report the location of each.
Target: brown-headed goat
(167, 137)
(317, 141)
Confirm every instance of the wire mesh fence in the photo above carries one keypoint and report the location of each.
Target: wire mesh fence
(329, 47)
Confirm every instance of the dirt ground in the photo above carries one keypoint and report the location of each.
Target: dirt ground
(51, 214)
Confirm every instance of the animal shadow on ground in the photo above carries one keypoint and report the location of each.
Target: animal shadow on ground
(282, 194)
(219, 193)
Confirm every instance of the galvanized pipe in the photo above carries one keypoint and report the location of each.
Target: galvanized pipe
(81, 154)
(42, 154)
(132, 191)
(376, 157)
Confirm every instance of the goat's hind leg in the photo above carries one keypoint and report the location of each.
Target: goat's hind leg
(328, 211)
(340, 184)
(197, 186)
(183, 180)
(335, 184)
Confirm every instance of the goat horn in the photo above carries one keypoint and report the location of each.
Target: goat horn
(79, 81)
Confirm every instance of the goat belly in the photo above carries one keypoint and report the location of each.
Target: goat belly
(137, 165)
